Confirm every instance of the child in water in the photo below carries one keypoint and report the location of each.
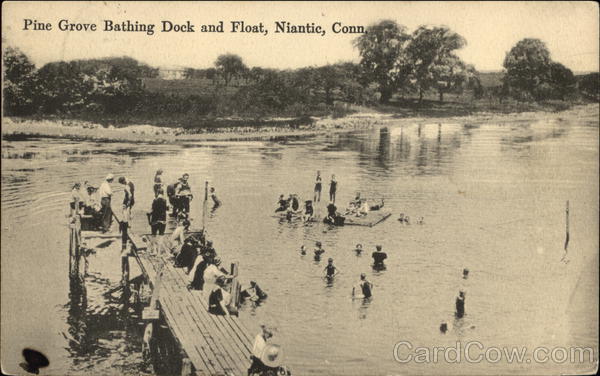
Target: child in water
(318, 251)
(330, 270)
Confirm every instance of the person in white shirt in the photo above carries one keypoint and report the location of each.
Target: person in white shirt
(212, 273)
(260, 342)
(105, 193)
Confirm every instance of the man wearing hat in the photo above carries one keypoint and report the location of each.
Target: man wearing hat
(105, 193)
(264, 355)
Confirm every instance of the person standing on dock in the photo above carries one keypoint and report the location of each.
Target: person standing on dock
(105, 193)
(332, 189)
(76, 199)
(318, 187)
(158, 183)
(158, 215)
(184, 193)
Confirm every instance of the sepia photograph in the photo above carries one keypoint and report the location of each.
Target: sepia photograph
(306, 188)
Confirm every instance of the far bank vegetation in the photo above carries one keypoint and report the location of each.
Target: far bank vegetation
(406, 73)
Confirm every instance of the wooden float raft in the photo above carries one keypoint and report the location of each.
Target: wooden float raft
(215, 345)
(370, 220)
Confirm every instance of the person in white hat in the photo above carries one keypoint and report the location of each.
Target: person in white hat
(258, 350)
(105, 193)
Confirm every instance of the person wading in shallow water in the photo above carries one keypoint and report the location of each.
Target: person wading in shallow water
(378, 257)
(332, 189)
(363, 289)
(318, 187)
(105, 193)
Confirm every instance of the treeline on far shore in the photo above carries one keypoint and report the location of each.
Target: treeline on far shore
(410, 74)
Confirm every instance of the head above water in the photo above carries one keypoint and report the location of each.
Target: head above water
(465, 272)
(359, 246)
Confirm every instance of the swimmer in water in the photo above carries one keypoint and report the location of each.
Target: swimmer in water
(460, 305)
(465, 273)
(378, 257)
(330, 270)
(318, 251)
(363, 289)
(358, 249)
(302, 249)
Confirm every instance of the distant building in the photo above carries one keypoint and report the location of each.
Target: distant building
(171, 73)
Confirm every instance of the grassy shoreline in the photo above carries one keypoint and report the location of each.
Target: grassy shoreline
(20, 128)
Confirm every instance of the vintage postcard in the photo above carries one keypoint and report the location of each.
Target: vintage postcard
(300, 188)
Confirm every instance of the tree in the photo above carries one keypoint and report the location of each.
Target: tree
(434, 63)
(589, 86)
(19, 83)
(382, 55)
(562, 80)
(230, 66)
(527, 66)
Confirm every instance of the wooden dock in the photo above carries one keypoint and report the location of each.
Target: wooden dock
(210, 344)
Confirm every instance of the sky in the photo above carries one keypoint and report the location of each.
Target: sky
(569, 29)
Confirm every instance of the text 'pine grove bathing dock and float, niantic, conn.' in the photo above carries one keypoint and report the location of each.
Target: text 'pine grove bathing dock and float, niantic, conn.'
(167, 26)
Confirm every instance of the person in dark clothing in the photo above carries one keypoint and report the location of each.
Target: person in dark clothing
(364, 289)
(318, 251)
(218, 300)
(158, 214)
(213, 195)
(283, 204)
(460, 305)
(377, 206)
(378, 257)
(308, 211)
(186, 258)
(294, 203)
(331, 211)
(173, 199)
(330, 270)
(198, 281)
(332, 188)
(253, 293)
(318, 187)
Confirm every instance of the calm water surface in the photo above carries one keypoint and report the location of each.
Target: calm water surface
(493, 200)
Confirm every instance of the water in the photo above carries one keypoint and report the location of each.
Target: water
(493, 200)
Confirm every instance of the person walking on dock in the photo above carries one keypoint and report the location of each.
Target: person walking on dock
(105, 193)
(158, 215)
(332, 189)
(318, 187)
